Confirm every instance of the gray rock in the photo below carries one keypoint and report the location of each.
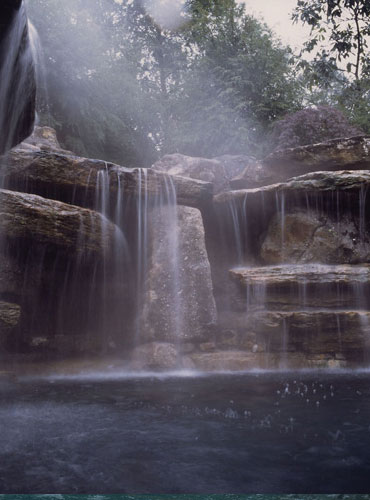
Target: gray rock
(179, 303)
(352, 153)
(38, 166)
(304, 237)
(32, 220)
(217, 171)
(155, 356)
(9, 319)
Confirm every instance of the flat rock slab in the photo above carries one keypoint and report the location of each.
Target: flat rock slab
(338, 154)
(32, 220)
(345, 181)
(334, 154)
(37, 166)
(217, 171)
(301, 274)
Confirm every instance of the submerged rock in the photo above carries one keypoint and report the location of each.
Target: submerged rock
(155, 356)
(179, 305)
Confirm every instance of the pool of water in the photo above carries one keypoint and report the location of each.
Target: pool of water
(241, 433)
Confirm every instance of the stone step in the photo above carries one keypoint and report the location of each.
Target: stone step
(316, 332)
(302, 286)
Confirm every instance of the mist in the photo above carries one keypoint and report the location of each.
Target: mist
(130, 81)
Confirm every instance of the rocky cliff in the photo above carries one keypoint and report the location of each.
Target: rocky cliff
(148, 265)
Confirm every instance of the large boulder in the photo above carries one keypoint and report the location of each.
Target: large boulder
(18, 82)
(217, 171)
(338, 154)
(303, 237)
(39, 166)
(179, 305)
(29, 220)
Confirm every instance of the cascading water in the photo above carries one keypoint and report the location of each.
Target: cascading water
(17, 83)
(308, 303)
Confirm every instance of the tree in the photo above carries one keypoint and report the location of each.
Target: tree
(241, 80)
(342, 24)
(340, 31)
(93, 98)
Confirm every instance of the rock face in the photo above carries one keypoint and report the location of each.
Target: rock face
(217, 171)
(17, 86)
(179, 306)
(38, 166)
(337, 154)
(304, 237)
(57, 227)
(351, 153)
(9, 319)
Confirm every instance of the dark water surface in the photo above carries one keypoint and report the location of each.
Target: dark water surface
(242, 433)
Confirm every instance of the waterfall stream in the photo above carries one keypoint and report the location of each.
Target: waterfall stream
(17, 82)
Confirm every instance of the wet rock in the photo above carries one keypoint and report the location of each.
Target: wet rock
(18, 81)
(9, 319)
(42, 138)
(37, 166)
(179, 303)
(155, 356)
(29, 220)
(304, 237)
(217, 171)
(313, 332)
(352, 154)
(296, 286)
(256, 174)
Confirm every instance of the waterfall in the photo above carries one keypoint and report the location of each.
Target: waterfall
(17, 89)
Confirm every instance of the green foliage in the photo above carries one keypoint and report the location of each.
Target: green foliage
(345, 26)
(123, 88)
(93, 98)
(241, 80)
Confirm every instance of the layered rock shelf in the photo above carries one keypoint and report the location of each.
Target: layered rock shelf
(99, 258)
(40, 166)
(337, 154)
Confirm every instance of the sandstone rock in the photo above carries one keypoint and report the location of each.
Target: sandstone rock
(217, 171)
(303, 237)
(37, 166)
(352, 153)
(314, 332)
(42, 138)
(155, 356)
(179, 305)
(303, 285)
(30, 220)
(244, 216)
(256, 174)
